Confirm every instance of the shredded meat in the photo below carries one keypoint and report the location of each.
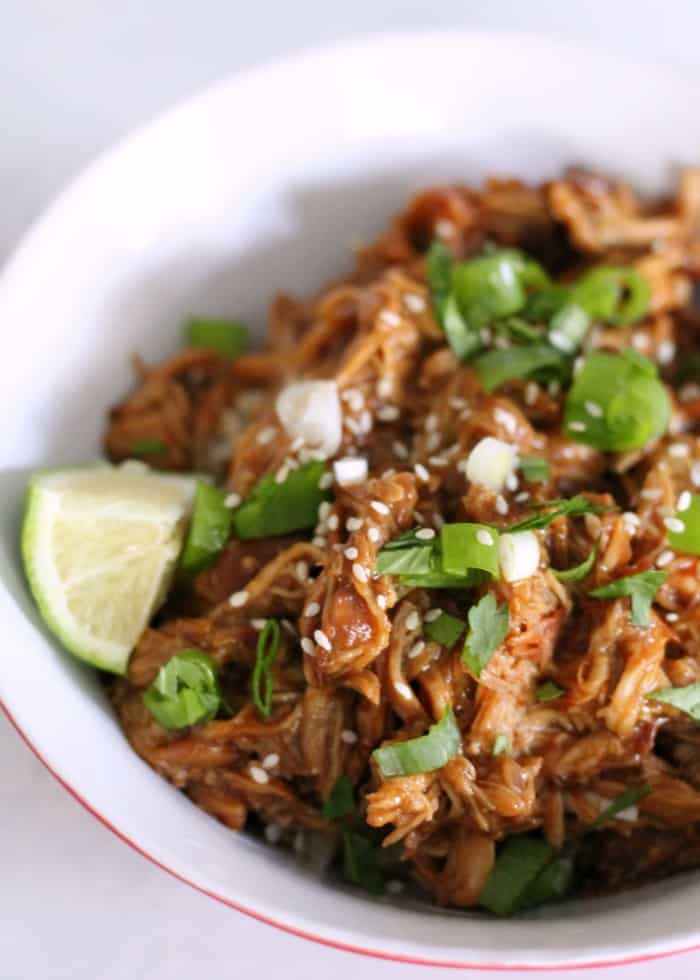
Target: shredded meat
(355, 669)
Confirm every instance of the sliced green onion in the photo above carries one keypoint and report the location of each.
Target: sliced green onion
(493, 285)
(468, 546)
(498, 366)
(640, 588)
(488, 627)
(550, 510)
(413, 560)
(686, 698)
(616, 402)
(265, 652)
(519, 329)
(580, 571)
(425, 753)
(553, 883)
(279, 508)
(630, 797)
(501, 745)
(185, 691)
(542, 305)
(549, 691)
(147, 447)
(341, 800)
(521, 859)
(462, 338)
(613, 294)
(225, 336)
(209, 528)
(438, 264)
(535, 468)
(445, 630)
(437, 579)
(361, 862)
(688, 540)
(568, 328)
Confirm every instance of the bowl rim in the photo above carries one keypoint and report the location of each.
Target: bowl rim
(346, 47)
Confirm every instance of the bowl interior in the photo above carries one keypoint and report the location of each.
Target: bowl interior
(263, 183)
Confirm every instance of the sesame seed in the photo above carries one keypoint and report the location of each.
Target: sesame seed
(354, 426)
(521, 497)
(400, 449)
(273, 833)
(390, 319)
(432, 615)
(438, 520)
(365, 421)
(431, 422)
(348, 736)
(373, 534)
(326, 481)
(501, 505)
(360, 572)
(385, 387)
(458, 404)
(302, 570)
(296, 444)
(433, 442)
(414, 302)
(684, 500)
(577, 426)
(270, 761)
(266, 435)
(689, 392)
(665, 558)
(506, 420)
(333, 522)
(388, 473)
(413, 620)
(421, 472)
(532, 391)
(354, 523)
(678, 450)
(695, 474)
(313, 609)
(388, 413)
(259, 774)
(553, 388)
(318, 541)
(665, 352)
(438, 461)
(232, 500)
(486, 336)
(502, 343)
(324, 509)
(395, 886)
(444, 228)
(594, 409)
(351, 553)
(425, 534)
(674, 524)
(578, 365)
(307, 645)
(238, 599)
(672, 617)
(354, 398)
(322, 639)
(651, 493)
(403, 689)
(640, 340)
(379, 507)
(258, 624)
(281, 474)
(512, 482)
(483, 537)
(381, 601)
(416, 650)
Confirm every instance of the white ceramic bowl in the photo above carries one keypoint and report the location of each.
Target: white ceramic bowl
(263, 182)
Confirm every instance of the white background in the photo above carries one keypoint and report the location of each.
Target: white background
(75, 75)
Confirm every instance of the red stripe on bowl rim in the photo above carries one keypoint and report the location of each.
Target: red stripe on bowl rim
(322, 940)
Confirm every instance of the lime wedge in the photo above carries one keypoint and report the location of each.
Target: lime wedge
(100, 544)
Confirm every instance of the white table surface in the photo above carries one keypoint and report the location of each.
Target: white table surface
(75, 902)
